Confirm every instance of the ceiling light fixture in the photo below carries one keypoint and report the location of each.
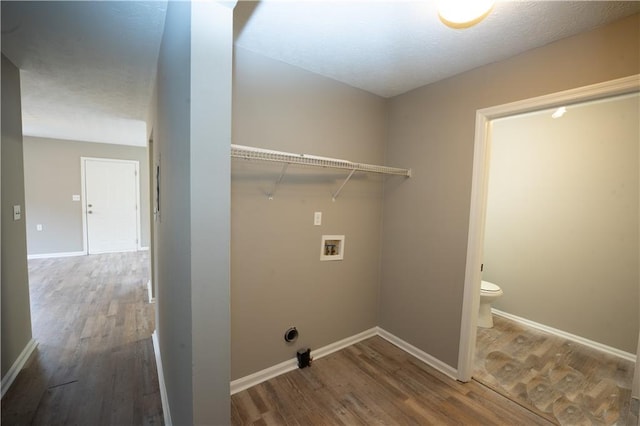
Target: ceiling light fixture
(559, 112)
(460, 14)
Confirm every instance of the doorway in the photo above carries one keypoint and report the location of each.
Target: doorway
(110, 213)
(475, 254)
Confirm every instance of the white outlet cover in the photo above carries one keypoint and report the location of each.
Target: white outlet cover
(39, 227)
(75, 198)
(317, 218)
(17, 212)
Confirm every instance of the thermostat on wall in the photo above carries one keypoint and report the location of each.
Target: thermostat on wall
(332, 247)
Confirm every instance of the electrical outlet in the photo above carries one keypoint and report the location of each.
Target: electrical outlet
(17, 212)
(39, 227)
(317, 218)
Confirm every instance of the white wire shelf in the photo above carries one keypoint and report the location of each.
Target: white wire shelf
(251, 153)
(261, 154)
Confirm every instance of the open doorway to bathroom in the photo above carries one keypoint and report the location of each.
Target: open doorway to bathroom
(558, 232)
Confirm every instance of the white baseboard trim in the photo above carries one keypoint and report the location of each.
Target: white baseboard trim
(420, 354)
(17, 366)
(565, 335)
(258, 377)
(52, 255)
(341, 344)
(163, 388)
(150, 292)
(246, 382)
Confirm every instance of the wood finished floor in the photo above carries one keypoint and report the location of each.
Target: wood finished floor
(374, 383)
(94, 364)
(569, 383)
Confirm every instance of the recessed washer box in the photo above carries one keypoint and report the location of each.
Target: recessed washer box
(332, 247)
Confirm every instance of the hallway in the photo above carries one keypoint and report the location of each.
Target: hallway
(94, 363)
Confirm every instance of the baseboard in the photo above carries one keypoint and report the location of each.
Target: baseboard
(258, 377)
(420, 354)
(574, 338)
(150, 292)
(341, 344)
(17, 366)
(163, 388)
(246, 382)
(52, 255)
(75, 253)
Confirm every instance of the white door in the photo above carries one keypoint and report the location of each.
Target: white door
(111, 198)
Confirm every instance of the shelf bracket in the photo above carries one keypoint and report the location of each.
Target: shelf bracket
(275, 187)
(335, 195)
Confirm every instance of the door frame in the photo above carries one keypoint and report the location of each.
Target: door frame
(480, 179)
(83, 198)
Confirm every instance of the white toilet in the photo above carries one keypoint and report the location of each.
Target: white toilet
(488, 293)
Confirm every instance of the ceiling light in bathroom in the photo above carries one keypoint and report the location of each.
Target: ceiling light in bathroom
(461, 14)
(559, 112)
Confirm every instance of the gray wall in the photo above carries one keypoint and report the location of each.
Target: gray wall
(173, 282)
(278, 279)
(561, 234)
(192, 134)
(16, 314)
(426, 219)
(211, 87)
(52, 176)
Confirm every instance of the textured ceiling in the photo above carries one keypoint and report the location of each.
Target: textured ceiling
(391, 47)
(88, 67)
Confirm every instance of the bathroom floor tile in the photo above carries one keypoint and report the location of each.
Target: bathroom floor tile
(564, 381)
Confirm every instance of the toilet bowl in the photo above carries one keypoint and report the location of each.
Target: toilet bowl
(488, 293)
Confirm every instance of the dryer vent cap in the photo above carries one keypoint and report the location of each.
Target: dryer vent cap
(291, 335)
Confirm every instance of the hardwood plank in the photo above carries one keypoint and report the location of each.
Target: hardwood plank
(95, 363)
(374, 383)
(367, 409)
(273, 418)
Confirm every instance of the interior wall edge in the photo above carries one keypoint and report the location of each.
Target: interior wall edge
(16, 310)
(423, 356)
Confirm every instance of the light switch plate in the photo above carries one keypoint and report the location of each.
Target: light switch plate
(317, 218)
(17, 212)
